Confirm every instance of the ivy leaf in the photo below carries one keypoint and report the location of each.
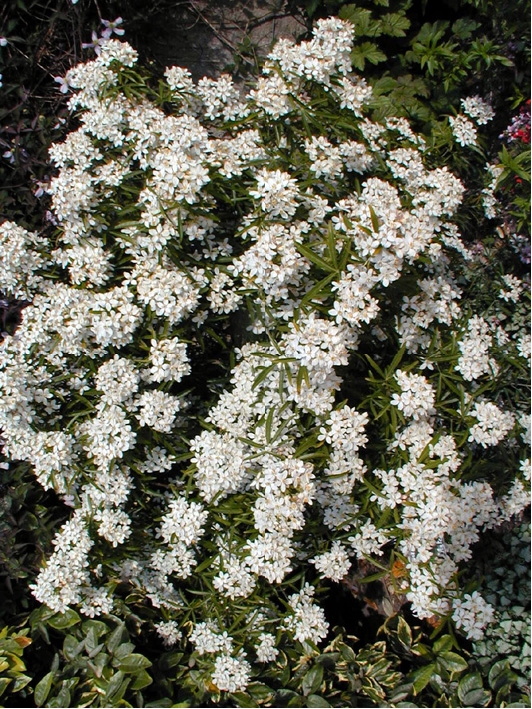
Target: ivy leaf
(464, 27)
(366, 52)
(365, 25)
(395, 24)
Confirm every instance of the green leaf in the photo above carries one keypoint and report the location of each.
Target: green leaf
(365, 24)
(471, 692)
(367, 51)
(72, 647)
(259, 691)
(443, 644)
(118, 635)
(464, 27)
(314, 258)
(42, 690)
(4, 681)
(20, 682)
(452, 662)
(62, 699)
(314, 700)
(134, 663)
(288, 698)
(500, 675)
(116, 688)
(374, 219)
(420, 678)
(312, 680)
(142, 680)
(404, 633)
(60, 621)
(242, 699)
(395, 24)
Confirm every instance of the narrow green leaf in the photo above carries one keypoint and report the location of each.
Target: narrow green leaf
(313, 257)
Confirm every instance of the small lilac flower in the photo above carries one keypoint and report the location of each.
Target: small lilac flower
(112, 26)
(3, 41)
(64, 86)
(41, 188)
(1, 81)
(96, 43)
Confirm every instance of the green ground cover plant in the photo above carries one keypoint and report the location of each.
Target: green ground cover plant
(273, 357)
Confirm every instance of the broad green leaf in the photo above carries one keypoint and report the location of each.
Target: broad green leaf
(471, 691)
(60, 621)
(395, 24)
(20, 682)
(259, 691)
(500, 674)
(312, 680)
(315, 700)
(420, 678)
(452, 661)
(118, 635)
(42, 690)
(443, 644)
(72, 647)
(404, 633)
(464, 27)
(242, 699)
(116, 688)
(134, 663)
(142, 680)
(62, 699)
(288, 698)
(4, 681)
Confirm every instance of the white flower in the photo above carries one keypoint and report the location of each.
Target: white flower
(157, 410)
(471, 614)
(231, 674)
(514, 288)
(464, 130)
(333, 564)
(277, 193)
(169, 632)
(493, 424)
(207, 639)
(308, 620)
(266, 650)
(417, 396)
(478, 109)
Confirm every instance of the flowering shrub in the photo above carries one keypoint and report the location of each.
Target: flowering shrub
(247, 364)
